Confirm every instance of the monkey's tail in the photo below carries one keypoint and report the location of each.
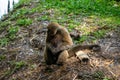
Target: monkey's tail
(76, 48)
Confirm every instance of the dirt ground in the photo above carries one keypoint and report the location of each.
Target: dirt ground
(104, 65)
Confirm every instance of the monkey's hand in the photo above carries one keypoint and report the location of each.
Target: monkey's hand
(62, 48)
(59, 48)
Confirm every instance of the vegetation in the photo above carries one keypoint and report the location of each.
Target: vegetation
(92, 18)
(104, 13)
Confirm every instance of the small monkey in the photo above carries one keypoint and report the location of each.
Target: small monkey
(59, 45)
(58, 38)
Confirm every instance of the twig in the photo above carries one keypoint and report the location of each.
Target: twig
(105, 50)
(75, 76)
(108, 46)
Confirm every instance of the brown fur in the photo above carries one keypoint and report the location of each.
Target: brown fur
(59, 45)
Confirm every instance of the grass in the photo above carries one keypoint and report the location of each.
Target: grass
(19, 64)
(103, 13)
(16, 67)
(21, 4)
(84, 6)
(104, 10)
(4, 41)
(24, 22)
(12, 32)
(2, 57)
(4, 24)
(17, 15)
(11, 35)
(43, 18)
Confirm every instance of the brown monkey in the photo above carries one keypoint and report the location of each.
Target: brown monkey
(59, 45)
(58, 40)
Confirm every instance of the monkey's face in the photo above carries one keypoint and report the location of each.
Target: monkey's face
(53, 28)
(52, 31)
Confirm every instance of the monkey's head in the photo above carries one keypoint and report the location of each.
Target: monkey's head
(53, 28)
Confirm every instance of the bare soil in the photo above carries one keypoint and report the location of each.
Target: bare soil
(103, 64)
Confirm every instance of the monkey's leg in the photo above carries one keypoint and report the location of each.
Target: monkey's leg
(49, 57)
(63, 57)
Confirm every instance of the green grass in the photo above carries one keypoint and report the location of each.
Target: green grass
(16, 67)
(11, 35)
(102, 13)
(4, 41)
(24, 22)
(98, 7)
(20, 13)
(43, 18)
(98, 75)
(4, 24)
(2, 57)
(19, 64)
(72, 13)
(12, 32)
(21, 4)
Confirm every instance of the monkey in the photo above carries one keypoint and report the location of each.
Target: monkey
(60, 47)
(80, 51)
(58, 39)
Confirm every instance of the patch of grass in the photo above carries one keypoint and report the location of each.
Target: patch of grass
(82, 39)
(19, 64)
(11, 35)
(98, 75)
(32, 10)
(16, 66)
(105, 78)
(20, 13)
(104, 9)
(2, 57)
(24, 22)
(95, 35)
(43, 18)
(4, 41)
(4, 24)
(71, 12)
(83, 6)
(12, 32)
(99, 34)
(22, 3)
(71, 26)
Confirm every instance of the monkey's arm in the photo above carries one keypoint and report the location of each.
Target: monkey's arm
(59, 48)
(64, 43)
